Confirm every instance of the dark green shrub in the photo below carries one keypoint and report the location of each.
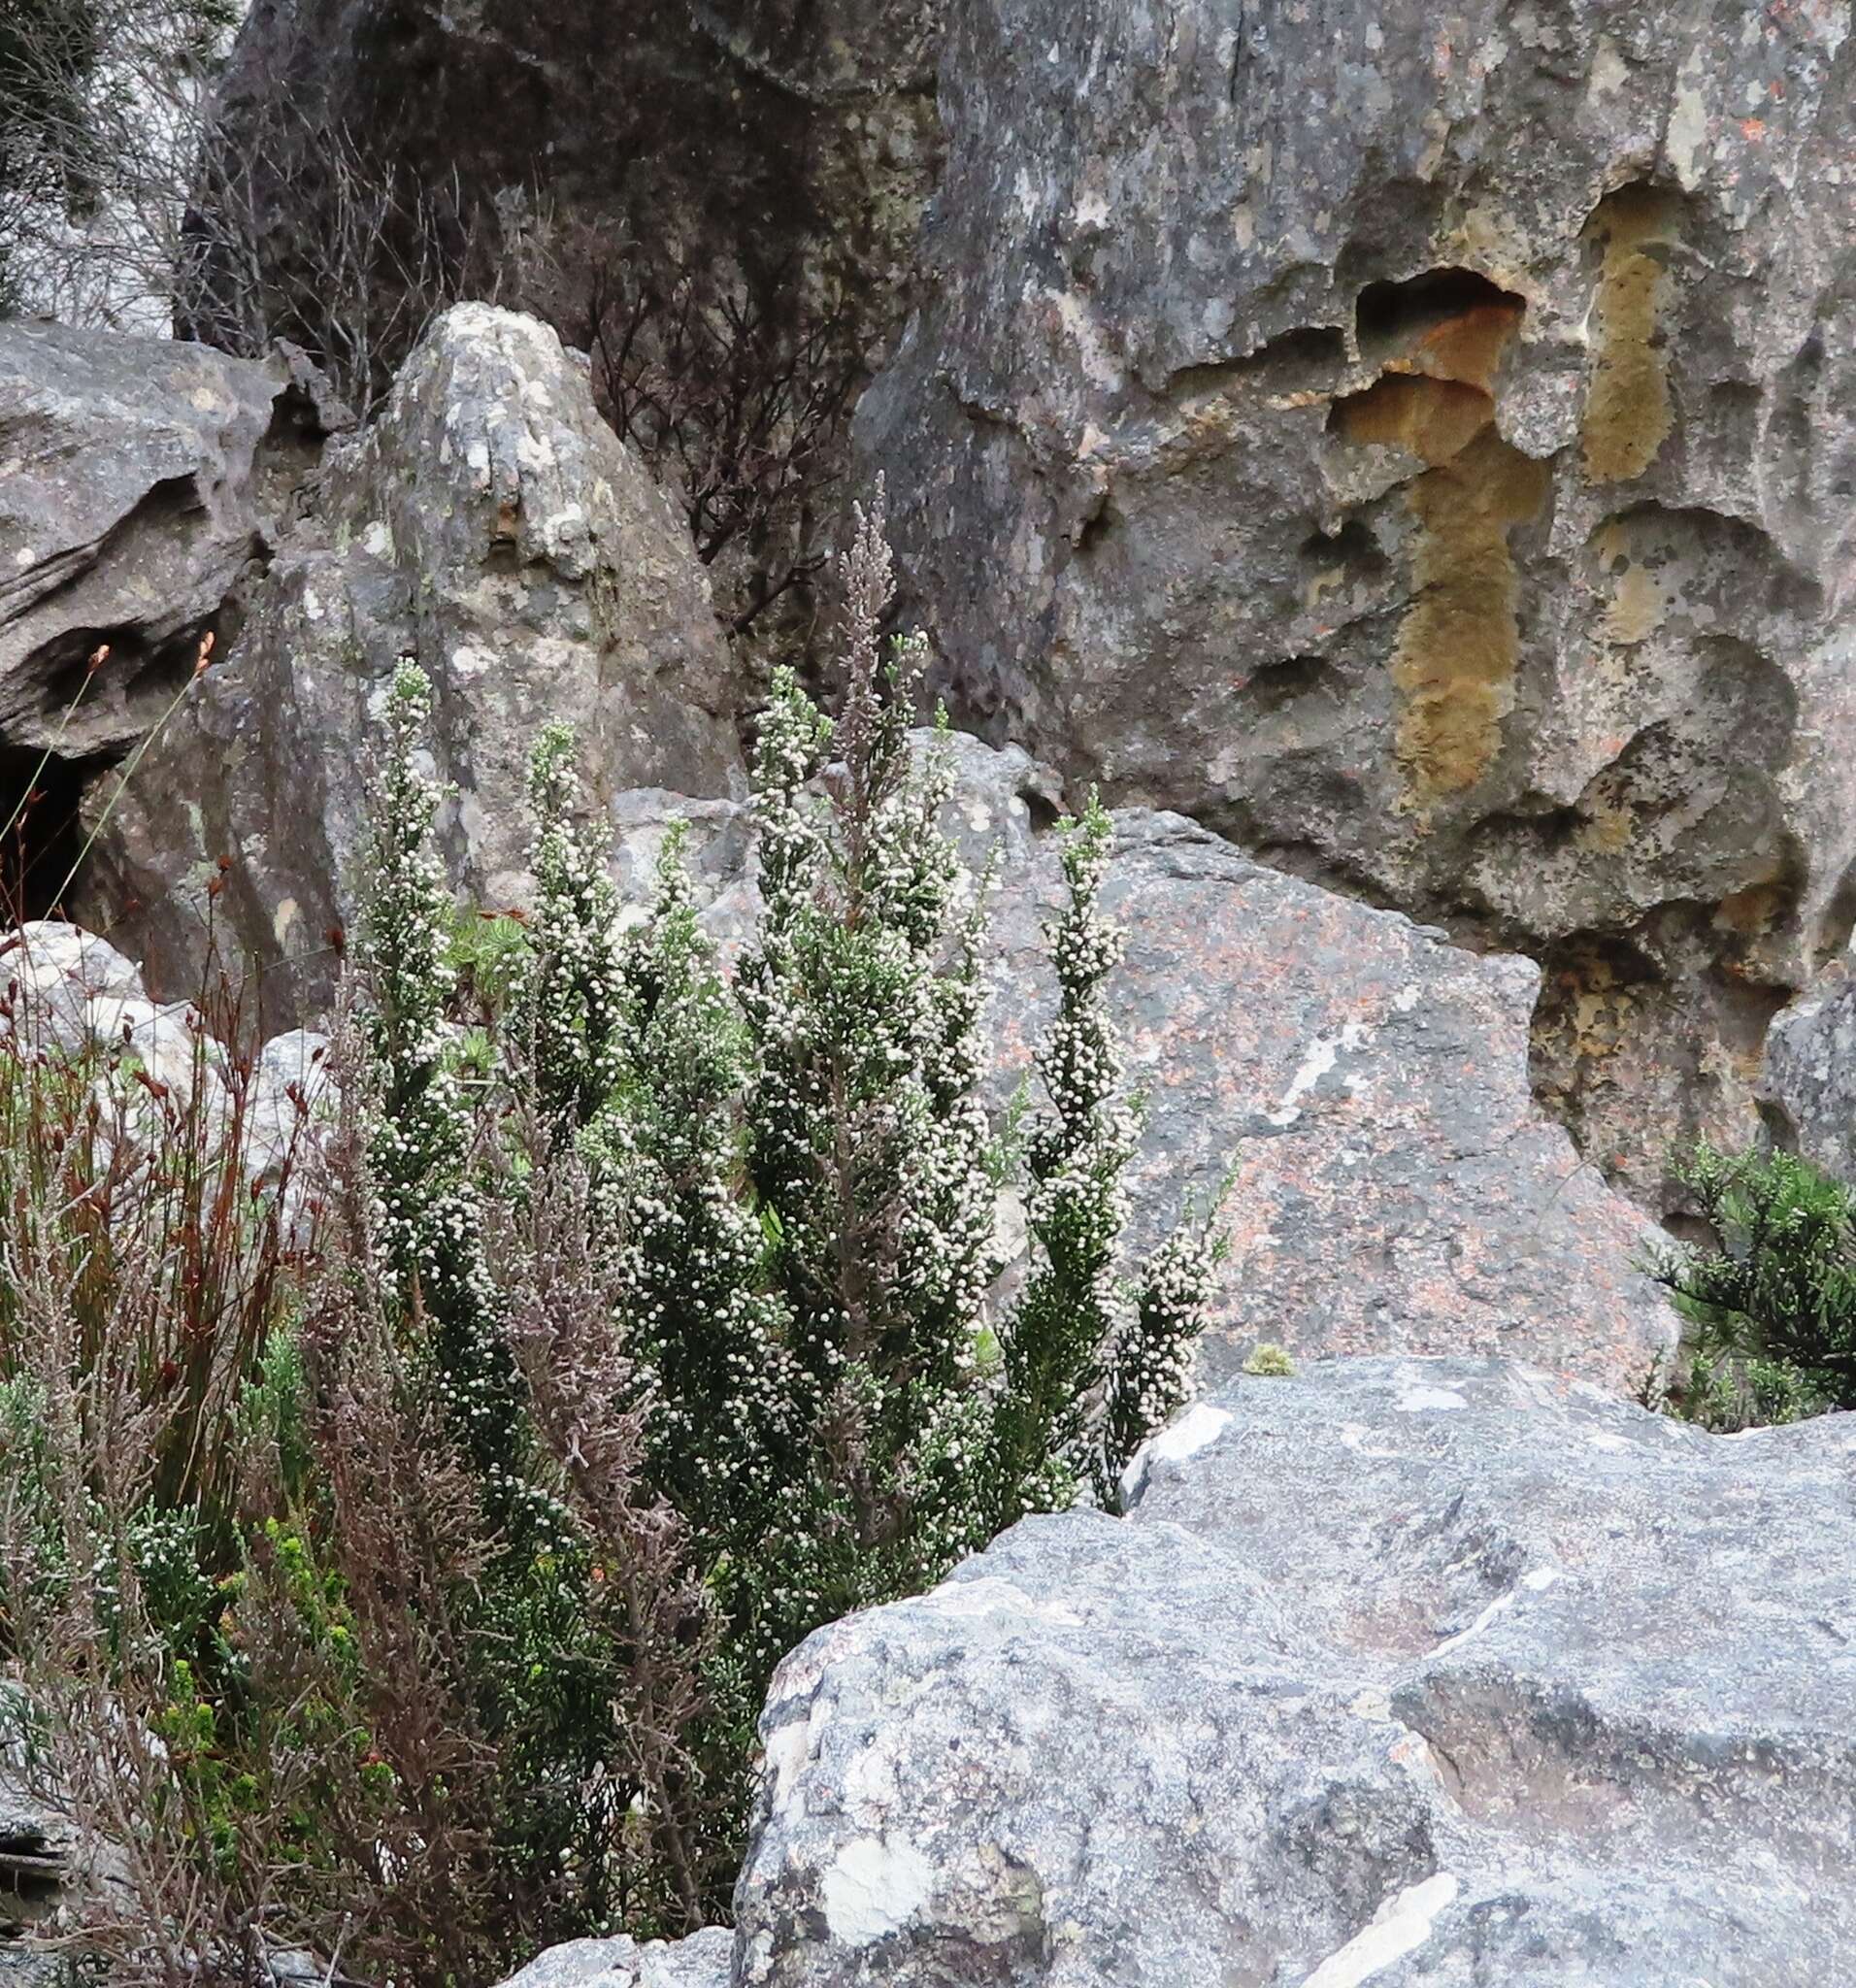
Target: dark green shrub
(1773, 1304)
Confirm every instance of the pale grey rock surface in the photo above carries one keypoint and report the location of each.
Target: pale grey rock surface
(701, 1961)
(1420, 449)
(67, 994)
(491, 525)
(1809, 1080)
(1426, 1673)
(1362, 1083)
(141, 483)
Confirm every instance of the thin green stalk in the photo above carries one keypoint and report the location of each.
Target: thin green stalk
(147, 740)
(27, 792)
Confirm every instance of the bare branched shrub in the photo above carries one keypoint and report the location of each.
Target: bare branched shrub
(129, 201)
(296, 229)
(144, 1277)
(735, 402)
(592, 1401)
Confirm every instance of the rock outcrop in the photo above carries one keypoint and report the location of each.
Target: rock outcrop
(720, 198)
(1810, 1082)
(1421, 1672)
(698, 1961)
(490, 524)
(778, 139)
(1419, 450)
(1360, 1082)
(140, 487)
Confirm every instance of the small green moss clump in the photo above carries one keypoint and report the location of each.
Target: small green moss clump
(1269, 1361)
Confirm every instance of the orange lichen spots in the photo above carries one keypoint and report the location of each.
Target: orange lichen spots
(1757, 911)
(1459, 644)
(1628, 407)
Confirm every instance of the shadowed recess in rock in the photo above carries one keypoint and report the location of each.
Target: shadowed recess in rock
(40, 795)
(1628, 408)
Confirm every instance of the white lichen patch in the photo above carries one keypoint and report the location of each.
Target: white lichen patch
(874, 1887)
(1323, 1054)
(1401, 1925)
(1421, 1400)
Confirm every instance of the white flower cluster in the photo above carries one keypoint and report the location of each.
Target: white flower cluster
(419, 1131)
(794, 1176)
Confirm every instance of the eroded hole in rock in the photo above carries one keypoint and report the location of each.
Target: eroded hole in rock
(1597, 993)
(45, 840)
(1628, 411)
(1450, 323)
(1307, 355)
(1275, 685)
(1838, 919)
(1674, 1015)
(1351, 547)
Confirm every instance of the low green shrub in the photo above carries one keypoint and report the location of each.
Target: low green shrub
(1773, 1303)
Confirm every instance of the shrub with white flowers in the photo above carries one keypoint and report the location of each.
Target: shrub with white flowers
(793, 1191)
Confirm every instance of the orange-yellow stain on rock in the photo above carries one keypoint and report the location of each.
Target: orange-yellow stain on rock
(1459, 644)
(1598, 1008)
(1466, 347)
(1628, 409)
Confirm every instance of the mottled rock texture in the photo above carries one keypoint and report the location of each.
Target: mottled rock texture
(1809, 1086)
(490, 524)
(67, 995)
(1417, 446)
(1426, 1673)
(1362, 1083)
(141, 484)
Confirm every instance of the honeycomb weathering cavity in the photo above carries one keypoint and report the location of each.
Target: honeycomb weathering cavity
(1439, 341)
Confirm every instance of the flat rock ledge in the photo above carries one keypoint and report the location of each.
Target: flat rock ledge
(1421, 1672)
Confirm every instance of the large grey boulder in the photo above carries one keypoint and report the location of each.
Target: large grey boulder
(1360, 1082)
(141, 483)
(492, 525)
(1420, 449)
(1426, 1673)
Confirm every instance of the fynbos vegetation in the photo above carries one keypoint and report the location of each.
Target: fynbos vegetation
(395, 1568)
